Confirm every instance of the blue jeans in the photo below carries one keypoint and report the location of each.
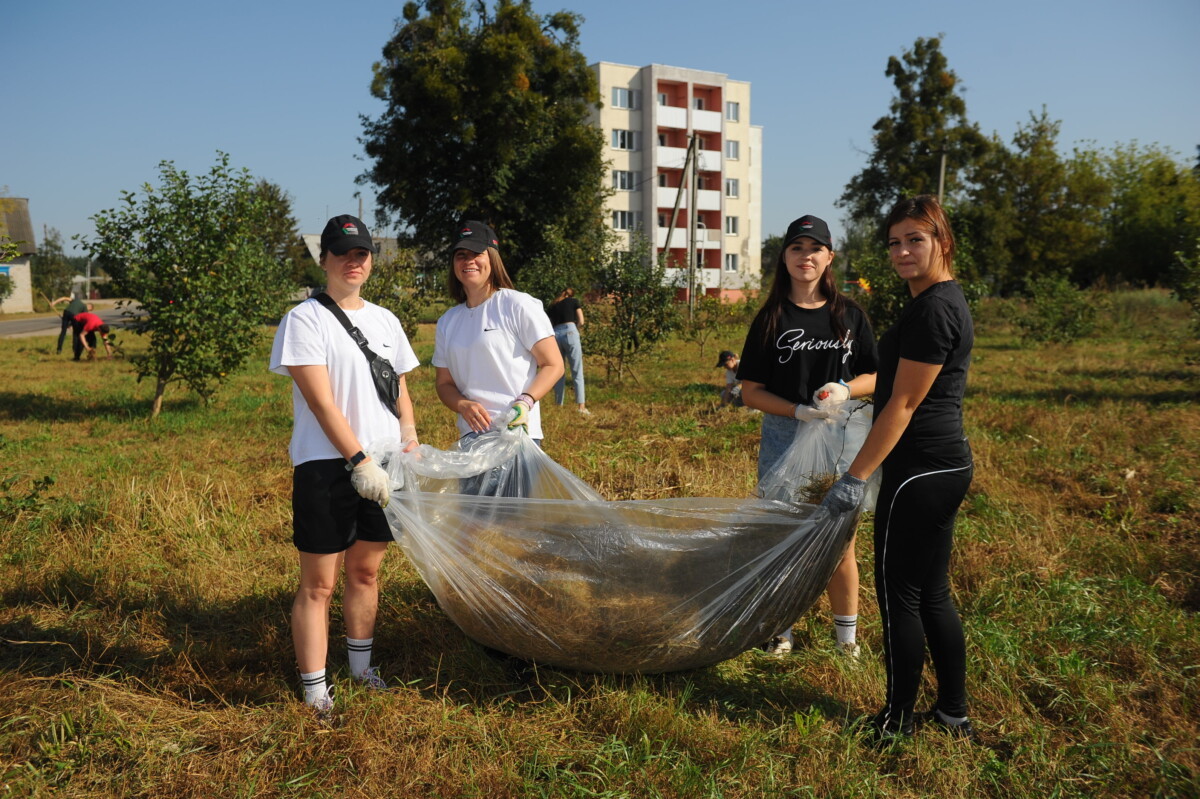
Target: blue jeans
(777, 435)
(567, 336)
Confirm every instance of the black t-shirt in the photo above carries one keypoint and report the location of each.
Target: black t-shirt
(806, 354)
(935, 327)
(563, 311)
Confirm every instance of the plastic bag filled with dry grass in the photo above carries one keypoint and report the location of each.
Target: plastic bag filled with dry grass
(821, 451)
(528, 559)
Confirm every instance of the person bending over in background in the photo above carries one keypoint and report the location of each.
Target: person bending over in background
(809, 344)
(918, 439)
(337, 491)
(74, 307)
(84, 327)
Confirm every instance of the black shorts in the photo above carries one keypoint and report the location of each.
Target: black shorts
(328, 515)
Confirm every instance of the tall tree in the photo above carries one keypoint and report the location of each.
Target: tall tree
(192, 254)
(281, 232)
(50, 268)
(927, 118)
(487, 118)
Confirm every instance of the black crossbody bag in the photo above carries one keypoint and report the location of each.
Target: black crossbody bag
(387, 382)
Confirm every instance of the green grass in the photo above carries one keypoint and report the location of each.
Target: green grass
(144, 599)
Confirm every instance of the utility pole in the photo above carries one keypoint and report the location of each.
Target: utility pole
(942, 178)
(693, 220)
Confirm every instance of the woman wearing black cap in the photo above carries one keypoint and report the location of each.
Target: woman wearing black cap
(495, 351)
(809, 344)
(337, 490)
(918, 439)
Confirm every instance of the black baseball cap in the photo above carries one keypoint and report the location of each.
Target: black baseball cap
(725, 356)
(344, 233)
(474, 236)
(811, 227)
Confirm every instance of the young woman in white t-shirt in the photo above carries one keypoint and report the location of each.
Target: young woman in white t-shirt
(337, 491)
(495, 351)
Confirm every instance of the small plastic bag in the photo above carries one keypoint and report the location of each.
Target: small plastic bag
(824, 446)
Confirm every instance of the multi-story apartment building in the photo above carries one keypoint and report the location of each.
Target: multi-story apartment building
(649, 118)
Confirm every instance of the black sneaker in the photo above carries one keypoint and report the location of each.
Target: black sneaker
(883, 729)
(961, 730)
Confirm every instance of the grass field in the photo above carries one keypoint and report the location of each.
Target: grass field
(145, 652)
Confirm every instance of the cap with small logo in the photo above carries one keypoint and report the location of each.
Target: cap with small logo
(810, 227)
(345, 233)
(725, 356)
(474, 236)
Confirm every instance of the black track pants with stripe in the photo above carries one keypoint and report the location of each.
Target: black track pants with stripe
(914, 531)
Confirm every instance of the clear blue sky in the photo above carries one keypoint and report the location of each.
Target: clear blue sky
(100, 92)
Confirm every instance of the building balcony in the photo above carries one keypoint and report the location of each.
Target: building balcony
(705, 239)
(669, 116)
(706, 199)
(708, 121)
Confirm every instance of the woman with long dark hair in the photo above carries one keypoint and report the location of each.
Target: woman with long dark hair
(918, 439)
(809, 344)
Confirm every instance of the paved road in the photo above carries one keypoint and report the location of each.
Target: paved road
(50, 325)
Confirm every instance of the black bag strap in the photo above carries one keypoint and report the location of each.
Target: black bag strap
(354, 332)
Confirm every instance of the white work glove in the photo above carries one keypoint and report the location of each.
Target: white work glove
(844, 495)
(831, 395)
(371, 482)
(521, 407)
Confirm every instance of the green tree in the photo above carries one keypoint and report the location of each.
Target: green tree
(1154, 213)
(282, 234)
(771, 247)
(396, 284)
(1184, 280)
(927, 118)
(488, 118)
(51, 269)
(639, 311)
(191, 253)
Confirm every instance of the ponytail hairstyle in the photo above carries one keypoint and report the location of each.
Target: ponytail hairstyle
(781, 286)
(925, 210)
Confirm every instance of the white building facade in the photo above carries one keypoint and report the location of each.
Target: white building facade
(649, 119)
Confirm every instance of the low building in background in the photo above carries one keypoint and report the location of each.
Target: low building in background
(15, 223)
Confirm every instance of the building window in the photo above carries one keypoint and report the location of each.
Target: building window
(662, 179)
(731, 226)
(732, 150)
(733, 111)
(626, 181)
(626, 139)
(662, 220)
(626, 98)
(662, 140)
(731, 262)
(731, 187)
(662, 98)
(698, 103)
(625, 220)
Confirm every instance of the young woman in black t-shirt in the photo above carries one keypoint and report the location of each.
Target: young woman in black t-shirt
(918, 439)
(809, 344)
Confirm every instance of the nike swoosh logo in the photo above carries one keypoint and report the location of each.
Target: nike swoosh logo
(490, 329)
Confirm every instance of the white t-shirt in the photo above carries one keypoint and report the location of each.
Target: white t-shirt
(488, 350)
(309, 335)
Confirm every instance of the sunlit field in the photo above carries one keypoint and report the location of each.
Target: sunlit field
(146, 587)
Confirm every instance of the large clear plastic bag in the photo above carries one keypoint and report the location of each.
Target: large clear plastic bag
(528, 559)
(826, 442)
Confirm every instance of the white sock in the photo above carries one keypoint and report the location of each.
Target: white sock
(358, 651)
(951, 721)
(314, 686)
(846, 628)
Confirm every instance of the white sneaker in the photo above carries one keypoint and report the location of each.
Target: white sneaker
(780, 644)
(849, 649)
(585, 412)
(323, 707)
(371, 679)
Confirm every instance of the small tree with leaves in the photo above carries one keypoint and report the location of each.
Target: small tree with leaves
(191, 254)
(638, 311)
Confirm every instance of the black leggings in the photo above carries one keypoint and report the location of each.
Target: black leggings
(914, 531)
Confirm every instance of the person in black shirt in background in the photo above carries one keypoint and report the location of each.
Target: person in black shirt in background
(566, 315)
(918, 438)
